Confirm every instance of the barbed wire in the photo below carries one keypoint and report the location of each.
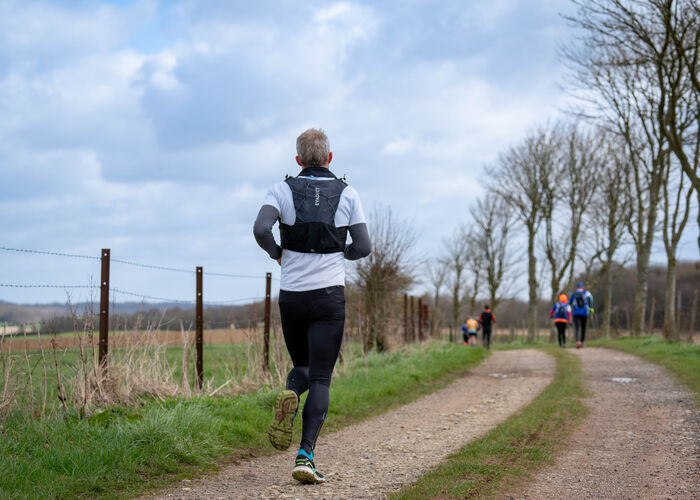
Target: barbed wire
(43, 252)
(133, 294)
(150, 297)
(131, 263)
(226, 275)
(150, 266)
(224, 302)
(12, 285)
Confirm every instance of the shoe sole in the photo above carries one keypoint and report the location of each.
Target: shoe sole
(280, 430)
(306, 475)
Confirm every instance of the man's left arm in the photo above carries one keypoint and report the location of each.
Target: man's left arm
(361, 245)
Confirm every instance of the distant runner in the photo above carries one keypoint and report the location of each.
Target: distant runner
(561, 313)
(469, 329)
(581, 302)
(315, 211)
(486, 320)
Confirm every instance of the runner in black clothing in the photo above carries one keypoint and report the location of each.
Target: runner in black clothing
(486, 320)
(315, 211)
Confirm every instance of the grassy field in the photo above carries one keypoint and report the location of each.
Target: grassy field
(122, 451)
(510, 452)
(680, 358)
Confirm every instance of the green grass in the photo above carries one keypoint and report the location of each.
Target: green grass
(507, 455)
(218, 365)
(122, 452)
(679, 358)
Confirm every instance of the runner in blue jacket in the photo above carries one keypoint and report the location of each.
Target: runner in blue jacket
(581, 302)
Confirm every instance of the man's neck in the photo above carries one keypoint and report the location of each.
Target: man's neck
(322, 171)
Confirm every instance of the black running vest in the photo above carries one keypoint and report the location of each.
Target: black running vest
(315, 204)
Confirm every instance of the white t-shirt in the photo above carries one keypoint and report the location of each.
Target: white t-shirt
(310, 271)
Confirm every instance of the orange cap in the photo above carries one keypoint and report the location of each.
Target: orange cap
(563, 298)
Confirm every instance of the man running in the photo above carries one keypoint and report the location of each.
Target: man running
(315, 211)
(561, 313)
(487, 319)
(581, 302)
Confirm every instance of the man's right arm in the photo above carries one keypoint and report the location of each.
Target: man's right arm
(262, 230)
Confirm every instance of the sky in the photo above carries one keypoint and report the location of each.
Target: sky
(154, 128)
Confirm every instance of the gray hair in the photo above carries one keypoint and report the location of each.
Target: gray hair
(313, 148)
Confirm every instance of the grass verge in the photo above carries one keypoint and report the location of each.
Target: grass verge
(123, 451)
(679, 358)
(509, 453)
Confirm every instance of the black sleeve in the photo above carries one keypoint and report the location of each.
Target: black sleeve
(262, 230)
(361, 245)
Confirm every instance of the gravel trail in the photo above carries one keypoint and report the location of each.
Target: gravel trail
(378, 456)
(641, 439)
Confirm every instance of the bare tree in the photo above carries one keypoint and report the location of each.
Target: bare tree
(567, 195)
(610, 209)
(385, 273)
(436, 274)
(619, 83)
(475, 266)
(520, 172)
(493, 230)
(456, 250)
(676, 210)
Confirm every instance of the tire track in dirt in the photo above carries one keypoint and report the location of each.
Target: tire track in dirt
(641, 439)
(380, 455)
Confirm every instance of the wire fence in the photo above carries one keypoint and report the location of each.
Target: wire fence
(107, 292)
(131, 293)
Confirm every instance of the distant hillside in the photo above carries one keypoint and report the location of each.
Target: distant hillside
(36, 313)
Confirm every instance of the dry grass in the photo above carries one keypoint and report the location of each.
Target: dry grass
(142, 365)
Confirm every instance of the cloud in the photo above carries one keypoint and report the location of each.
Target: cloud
(155, 128)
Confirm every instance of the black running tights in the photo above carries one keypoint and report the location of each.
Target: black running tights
(487, 338)
(312, 324)
(580, 328)
(561, 332)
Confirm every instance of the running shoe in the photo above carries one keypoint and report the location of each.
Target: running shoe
(305, 470)
(280, 430)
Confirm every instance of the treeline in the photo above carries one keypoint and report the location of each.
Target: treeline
(574, 198)
(150, 317)
(580, 198)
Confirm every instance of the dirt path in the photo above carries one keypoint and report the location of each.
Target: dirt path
(641, 439)
(378, 456)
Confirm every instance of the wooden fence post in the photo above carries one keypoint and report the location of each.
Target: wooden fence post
(199, 327)
(691, 327)
(266, 327)
(103, 345)
(426, 320)
(405, 317)
(420, 319)
(678, 315)
(413, 322)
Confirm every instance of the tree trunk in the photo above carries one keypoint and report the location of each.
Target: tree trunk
(641, 291)
(434, 319)
(455, 311)
(607, 312)
(670, 326)
(532, 283)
